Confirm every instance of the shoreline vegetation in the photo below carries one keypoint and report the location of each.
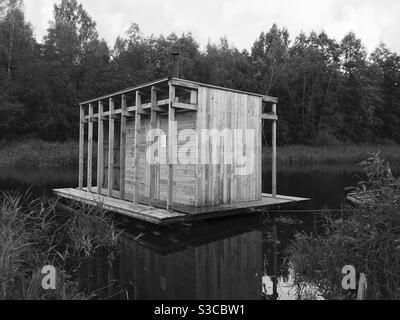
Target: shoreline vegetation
(365, 235)
(33, 234)
(340, 154)
(35, 153)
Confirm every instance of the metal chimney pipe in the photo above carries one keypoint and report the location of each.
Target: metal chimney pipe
(176, 72)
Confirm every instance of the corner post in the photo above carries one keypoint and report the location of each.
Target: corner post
(138, 121)
(90, 150)
(111, 149)
(123, 147)
(274, 123)
(100, 150)
(81, 144)
(153, 125)
(171, 146)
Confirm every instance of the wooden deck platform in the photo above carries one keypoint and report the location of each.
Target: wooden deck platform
(160, 216)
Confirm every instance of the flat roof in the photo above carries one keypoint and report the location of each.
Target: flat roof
(179, 81)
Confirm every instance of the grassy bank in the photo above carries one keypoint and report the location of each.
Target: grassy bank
(39, 154)
(332, 154)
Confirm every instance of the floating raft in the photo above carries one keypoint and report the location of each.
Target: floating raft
(181, 213)
(368, 198)
(169, 179)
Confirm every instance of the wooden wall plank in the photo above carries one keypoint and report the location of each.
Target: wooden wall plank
(220, 181)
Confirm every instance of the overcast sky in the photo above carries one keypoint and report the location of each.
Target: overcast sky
(241, 21)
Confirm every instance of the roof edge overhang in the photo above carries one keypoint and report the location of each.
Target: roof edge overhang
(178, 82)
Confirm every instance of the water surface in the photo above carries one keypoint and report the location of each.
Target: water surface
(231, 258)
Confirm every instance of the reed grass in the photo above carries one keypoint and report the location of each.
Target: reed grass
(366, 236)
(33, 235)
(298, 154)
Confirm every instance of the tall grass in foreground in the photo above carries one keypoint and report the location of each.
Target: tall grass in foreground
(367, 237)
(32, 236)
(331, 154)
(39, 154)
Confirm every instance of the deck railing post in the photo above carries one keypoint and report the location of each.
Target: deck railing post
(274, 124)
(153, 125)
(111, 149)
(171, 147)
(81, 145)
(123, 147)
(90, 149)
(138, 120)
(100, 150)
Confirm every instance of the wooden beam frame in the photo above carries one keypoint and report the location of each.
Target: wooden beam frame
(184, 84)
(153, 125)
(127, 91)
(138, 120)
(100, 149)
(81, 145)
(171, 147)
(185, 106)
(90, 151)
(123, 147)
(111, 136)
(269, 117)
(274, 173)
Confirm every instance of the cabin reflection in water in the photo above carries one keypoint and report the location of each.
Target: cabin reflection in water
(192, 263)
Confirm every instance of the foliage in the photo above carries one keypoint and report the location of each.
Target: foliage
(329, 91)
(366, 237)
(378, 174)
(33, 235)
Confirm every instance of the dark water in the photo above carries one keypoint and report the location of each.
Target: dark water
(230, 258)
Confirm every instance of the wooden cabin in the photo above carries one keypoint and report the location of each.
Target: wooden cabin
(174, 150)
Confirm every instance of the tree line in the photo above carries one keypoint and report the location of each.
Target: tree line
(330, 92)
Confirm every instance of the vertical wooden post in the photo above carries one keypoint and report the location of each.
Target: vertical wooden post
(90, 150)
(171, 147)
(153, 125)
(81, 145)
(111, 149)
(362, 287)
(100, 150)
(138, 121)
(274, 186)
(123, 147)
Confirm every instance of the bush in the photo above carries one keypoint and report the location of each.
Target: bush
(367, 237)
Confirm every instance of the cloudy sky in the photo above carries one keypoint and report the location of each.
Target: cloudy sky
(241, 21)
